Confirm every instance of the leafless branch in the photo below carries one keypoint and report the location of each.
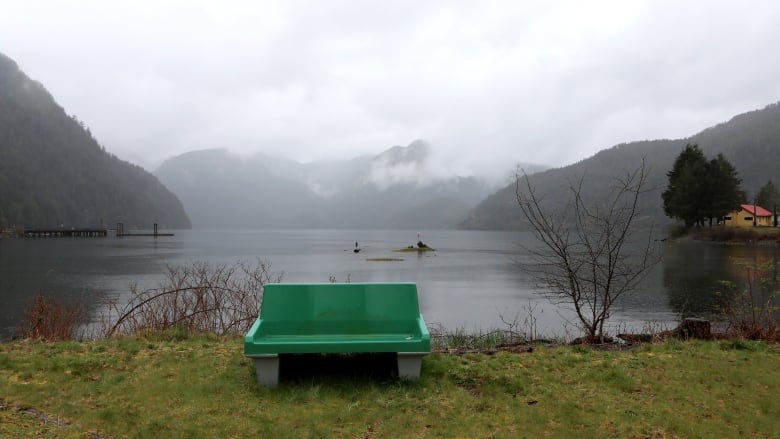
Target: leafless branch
(199, 297)
(588, 257)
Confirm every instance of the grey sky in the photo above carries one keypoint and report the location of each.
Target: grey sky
(488, 84)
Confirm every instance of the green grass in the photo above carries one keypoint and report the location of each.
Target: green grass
(203, 386)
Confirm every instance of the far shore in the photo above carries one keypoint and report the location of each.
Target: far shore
(731, 235)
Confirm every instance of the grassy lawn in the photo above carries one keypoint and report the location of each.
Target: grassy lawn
(205, 387)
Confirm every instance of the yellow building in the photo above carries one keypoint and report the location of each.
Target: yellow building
(745, 215)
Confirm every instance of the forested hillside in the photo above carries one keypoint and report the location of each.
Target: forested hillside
(54, 173)
(750, 141)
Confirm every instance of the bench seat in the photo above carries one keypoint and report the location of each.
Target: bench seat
(337, 318)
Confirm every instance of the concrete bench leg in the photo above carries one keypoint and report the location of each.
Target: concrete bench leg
(267, 369)
(409, 364)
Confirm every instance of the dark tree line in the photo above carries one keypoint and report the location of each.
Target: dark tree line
(700, 190)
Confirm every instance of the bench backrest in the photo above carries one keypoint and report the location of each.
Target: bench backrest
(339, 302)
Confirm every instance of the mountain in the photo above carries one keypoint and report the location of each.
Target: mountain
(393, 189)
(750, 141)
(221, 190)
(53, 172)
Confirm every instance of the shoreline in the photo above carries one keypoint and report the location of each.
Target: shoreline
(764, 235)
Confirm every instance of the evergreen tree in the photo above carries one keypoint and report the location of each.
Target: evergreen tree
(723, 188)
(768, 197)
(699, 189)
(686, 191)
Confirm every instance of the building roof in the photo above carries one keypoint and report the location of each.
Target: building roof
(760, 211)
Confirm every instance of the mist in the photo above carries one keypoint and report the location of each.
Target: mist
(488, 85)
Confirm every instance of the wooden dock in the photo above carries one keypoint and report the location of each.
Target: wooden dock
(101, 232)
(120, 232)
(65, 233)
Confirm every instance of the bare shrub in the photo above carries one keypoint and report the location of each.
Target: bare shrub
(50, 320)
(526, 328)
(752, 310)
(519, 333)
(589, 254)
(197, 298)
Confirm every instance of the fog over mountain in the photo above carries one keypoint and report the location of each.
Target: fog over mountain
(398, 188)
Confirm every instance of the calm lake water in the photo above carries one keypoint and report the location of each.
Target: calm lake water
(471, 281)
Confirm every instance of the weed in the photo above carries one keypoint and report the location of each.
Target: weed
(5, 361)
(460, 339)
(742, 344)
(581, 349)
(675, 344)
(49, 319)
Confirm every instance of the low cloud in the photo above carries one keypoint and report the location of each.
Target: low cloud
(487, 84)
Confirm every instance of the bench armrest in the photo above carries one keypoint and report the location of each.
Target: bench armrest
(250, 336)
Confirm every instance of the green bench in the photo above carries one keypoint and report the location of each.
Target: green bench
(337, 318)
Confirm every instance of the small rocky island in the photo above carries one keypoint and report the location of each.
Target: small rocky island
(420, 247)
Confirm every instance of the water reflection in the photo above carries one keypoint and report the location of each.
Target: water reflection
(470, 282)
(700, 277)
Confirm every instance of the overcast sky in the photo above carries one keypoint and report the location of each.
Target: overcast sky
(488, 84)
